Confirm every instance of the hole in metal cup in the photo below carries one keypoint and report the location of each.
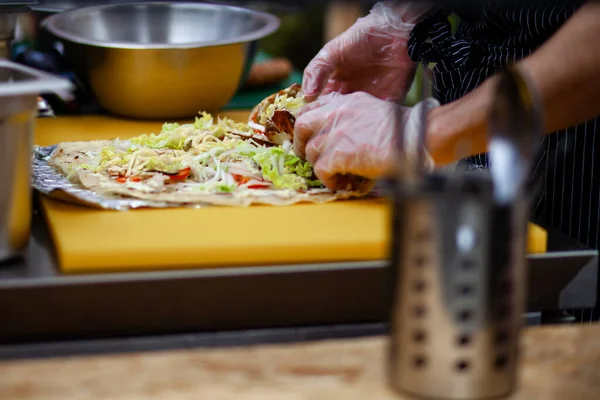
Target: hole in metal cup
(419, 311)
(501, 362)
(419, 286)
(419, 336)
(462, 366)
(420, 261)
(420, 362)
(464, 340)
(466, 290)
(465, 315)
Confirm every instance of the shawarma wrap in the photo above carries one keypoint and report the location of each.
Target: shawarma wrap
(211, 161)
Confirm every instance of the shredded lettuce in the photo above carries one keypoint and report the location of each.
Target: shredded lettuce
(108, 154)
(221, 127)
(71, 171)
(205, 122)
(226, 188)
(283, 168)
(295, 165)
(169, 127)
(228, 125)
(314, 183)
(179, 146)
(282, 102)
(165, 140)
(158, 164)
(172, 136)
(270, 163)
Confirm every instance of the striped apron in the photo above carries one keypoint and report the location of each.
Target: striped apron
(567, 163)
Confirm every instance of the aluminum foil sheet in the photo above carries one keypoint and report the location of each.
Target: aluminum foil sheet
(50, 182)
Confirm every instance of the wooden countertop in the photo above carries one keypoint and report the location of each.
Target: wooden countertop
(559, 363)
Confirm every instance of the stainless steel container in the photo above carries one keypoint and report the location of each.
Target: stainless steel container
(9, 11)
(459, 259)
(54, 6)
(19, 89)
(161, 60)
(8, 23)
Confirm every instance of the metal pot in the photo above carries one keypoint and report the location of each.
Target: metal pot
(161, 60)
(54, 6)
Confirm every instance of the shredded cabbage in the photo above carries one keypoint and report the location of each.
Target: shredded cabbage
(226, 188)
(169, 127)
(281, 168)
(107, 154)
(282, 102)
(219, 160)
(204, 122)
(165, 140)
(163, 165)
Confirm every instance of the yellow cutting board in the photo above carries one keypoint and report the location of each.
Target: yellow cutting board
(90, 240)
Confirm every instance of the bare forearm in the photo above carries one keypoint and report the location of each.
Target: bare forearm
(565, 70)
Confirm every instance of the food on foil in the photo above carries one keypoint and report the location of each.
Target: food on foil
(275, 116)
(211, 161)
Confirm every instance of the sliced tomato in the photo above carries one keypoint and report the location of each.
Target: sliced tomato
(181, 175)
(240, 179)
(123, 179)
(259, 186)
(254, 116)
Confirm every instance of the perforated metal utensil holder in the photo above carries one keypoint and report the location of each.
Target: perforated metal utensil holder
(459, 260)
(460, 291)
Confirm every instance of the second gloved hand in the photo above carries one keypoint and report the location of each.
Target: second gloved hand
(371, 56)
(354, 135)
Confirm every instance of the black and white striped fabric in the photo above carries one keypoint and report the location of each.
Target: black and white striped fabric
(567, 165)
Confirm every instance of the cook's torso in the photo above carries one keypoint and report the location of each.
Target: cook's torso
(488, 39)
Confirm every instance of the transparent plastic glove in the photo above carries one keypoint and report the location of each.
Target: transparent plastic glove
(353, 135)
(371, 56)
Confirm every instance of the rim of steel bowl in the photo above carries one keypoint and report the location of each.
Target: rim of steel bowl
(52, 23)
(56, 6)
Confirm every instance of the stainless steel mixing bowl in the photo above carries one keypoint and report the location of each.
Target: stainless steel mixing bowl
(161, 60)
(54, 6)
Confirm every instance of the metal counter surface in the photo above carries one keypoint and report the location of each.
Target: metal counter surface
(39, 305)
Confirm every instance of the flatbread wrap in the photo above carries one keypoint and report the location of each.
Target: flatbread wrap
(212, 161)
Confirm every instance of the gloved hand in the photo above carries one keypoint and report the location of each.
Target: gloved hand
(354, 134)
(371, 56)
